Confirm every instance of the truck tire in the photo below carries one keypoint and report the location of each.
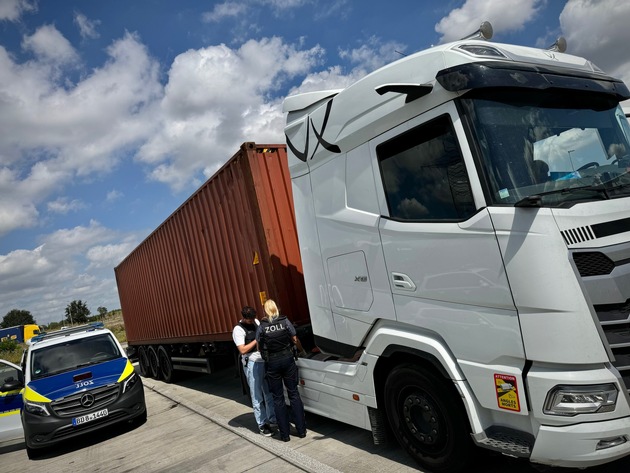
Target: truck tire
(428, 419)
(143, 362)
(167, 373)
(154, 363)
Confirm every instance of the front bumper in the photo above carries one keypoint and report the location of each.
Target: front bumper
(43, 431)
(576, 445)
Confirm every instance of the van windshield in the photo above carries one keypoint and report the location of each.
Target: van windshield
(560, 147)
(73, 354)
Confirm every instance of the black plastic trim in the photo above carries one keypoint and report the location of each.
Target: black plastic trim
(489, 74)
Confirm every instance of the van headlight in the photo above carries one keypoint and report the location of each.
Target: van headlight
(129, 382)
(573, 400)
(36, 408)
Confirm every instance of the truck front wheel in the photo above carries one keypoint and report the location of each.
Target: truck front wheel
(427, 418)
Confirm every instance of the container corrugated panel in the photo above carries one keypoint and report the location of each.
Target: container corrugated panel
(232, 243)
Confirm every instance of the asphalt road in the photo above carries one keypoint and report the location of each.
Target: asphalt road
(204, 423)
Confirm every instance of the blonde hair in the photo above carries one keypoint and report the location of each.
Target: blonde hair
(271, 309)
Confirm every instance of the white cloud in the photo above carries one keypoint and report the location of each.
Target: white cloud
(49, 45)
(505, 16)
(62, 205)
(11, 10)
(598, 30)
(68, 130)
(114, 195)
(73, 263)
(224, 10)
(373, 54)
(206, 115)
(87, 27)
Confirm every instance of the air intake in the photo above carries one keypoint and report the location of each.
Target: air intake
(578, 235)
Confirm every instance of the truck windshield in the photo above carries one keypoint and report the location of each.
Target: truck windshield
(73, 354)
(549, 149)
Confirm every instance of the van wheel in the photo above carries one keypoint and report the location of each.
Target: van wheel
(428, 419)
(166, 365)
(143, 362)
(153, 363)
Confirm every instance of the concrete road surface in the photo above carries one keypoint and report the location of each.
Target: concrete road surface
(204, 423)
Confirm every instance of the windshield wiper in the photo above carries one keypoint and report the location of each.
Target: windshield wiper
(535, 200)
(87, 363)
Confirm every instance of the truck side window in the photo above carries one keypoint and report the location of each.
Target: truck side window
(424, 175)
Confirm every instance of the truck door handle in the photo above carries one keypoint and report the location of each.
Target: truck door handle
(402, 281)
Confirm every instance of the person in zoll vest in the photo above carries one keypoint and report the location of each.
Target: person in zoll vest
(276, 337)
(244, 336)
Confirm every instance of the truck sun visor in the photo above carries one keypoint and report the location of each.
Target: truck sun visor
(489, 74)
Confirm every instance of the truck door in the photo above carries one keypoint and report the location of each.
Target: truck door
(441, 253)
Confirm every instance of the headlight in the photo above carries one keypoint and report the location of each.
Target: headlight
(574, 400)
(37, 408)
(129, 382)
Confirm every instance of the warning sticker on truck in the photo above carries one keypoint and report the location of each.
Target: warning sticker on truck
(507, 392)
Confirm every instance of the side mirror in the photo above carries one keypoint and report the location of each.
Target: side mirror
(12, 385)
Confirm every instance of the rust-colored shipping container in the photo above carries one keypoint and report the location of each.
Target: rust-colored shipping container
(232, 243)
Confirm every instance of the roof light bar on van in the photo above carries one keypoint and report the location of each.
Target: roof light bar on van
(67, 331)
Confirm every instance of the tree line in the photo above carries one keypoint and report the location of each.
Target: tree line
(76, 312)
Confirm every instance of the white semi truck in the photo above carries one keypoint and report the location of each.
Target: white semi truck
(463, 217)
(464, 224)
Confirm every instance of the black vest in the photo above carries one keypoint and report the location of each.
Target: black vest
(275, 337)
(250, 334)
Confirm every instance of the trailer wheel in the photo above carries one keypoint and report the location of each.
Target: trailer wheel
(143, 362)
(428, 419)
(153, 363)
(167, 372)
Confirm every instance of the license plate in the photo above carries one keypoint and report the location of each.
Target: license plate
(89, 417)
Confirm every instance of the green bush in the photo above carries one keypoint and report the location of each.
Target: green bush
(11, 351)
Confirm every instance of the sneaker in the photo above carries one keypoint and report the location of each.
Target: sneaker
(266, 431)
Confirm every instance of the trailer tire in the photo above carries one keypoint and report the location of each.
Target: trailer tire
(154, 363)
(143, 362)
(427, 419)
(167, 372)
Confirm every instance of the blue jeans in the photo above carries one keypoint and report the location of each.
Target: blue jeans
(262, 401)
(283, 373)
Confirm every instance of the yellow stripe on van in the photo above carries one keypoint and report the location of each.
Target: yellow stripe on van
(9, 413)
(127, 372)
(32, 395)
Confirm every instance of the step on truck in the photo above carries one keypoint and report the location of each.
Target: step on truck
(463, 217)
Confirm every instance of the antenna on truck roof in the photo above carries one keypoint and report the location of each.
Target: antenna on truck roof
(484, 32)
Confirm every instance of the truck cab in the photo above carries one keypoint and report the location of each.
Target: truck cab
(464, 223)
(75, 381)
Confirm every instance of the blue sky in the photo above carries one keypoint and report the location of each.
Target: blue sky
(113, 112)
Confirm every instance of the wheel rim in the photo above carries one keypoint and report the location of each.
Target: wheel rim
(153, 362)
(143, 362)
(165, 364)
(422, 418)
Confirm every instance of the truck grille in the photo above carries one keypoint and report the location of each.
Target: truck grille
(71, 406)
(615, 321)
